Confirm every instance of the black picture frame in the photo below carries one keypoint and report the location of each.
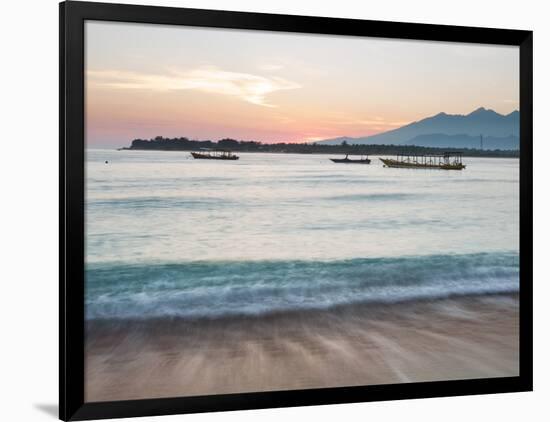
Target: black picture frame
(72, 16)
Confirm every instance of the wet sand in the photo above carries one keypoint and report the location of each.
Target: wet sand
(469, 337)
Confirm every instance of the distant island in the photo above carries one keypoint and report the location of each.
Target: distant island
(160, 143)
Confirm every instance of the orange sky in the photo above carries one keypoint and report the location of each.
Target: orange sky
(148, 80)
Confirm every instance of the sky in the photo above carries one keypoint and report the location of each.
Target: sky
(147, 80)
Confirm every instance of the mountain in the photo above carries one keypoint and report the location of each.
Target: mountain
(450, 130)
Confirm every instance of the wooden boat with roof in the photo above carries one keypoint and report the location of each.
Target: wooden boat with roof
(445, 161)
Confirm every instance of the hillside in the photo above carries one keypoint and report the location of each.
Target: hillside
(450, 130)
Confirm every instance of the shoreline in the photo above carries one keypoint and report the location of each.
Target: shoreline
(343, 309)
(364, 344)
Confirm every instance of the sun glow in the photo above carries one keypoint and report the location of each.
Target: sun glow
(149, 80)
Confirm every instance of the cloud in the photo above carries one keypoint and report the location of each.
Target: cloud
(250, 88)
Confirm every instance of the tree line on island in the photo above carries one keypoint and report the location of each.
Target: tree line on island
(160, 143)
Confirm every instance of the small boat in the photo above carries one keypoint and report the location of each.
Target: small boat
(348, 161)
(446, 161)
(214, 154)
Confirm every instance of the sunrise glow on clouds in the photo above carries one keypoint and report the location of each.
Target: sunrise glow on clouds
(149, 80)
(248, 87)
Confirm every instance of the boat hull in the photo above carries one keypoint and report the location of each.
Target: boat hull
(347, 161)
(399, 164)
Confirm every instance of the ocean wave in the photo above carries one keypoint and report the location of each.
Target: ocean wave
(152, 203)
(371, 196)
(219, 288)
(155, 202)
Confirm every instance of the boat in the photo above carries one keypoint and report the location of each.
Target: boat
(445, 161)
(214, 154)
(349, 161)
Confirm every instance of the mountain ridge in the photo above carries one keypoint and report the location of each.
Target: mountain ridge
(502, 130)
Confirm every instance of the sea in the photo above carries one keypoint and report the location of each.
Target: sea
(168, 236)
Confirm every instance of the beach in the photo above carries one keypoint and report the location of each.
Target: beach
(364, 344)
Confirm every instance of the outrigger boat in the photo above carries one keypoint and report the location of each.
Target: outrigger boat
(348, 161)
(215, 154)
(446, 161)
